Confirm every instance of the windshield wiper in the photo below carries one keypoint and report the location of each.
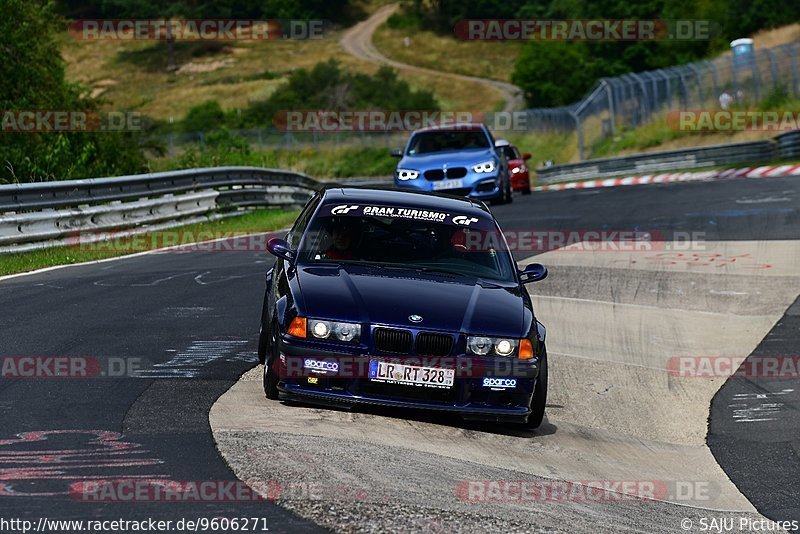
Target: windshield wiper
(436, 270)
(412, 267)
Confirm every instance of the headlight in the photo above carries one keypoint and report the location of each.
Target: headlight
(521, 168)
(347, 331)
(406, 174)
(486, 166)
(481, 346)
(334, 330)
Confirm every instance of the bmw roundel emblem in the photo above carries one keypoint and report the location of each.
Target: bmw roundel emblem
(415, 318)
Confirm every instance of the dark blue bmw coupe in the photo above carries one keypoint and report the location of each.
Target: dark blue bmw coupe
(404, 299)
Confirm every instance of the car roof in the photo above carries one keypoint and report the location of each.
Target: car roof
(410, 199)
(462, 126)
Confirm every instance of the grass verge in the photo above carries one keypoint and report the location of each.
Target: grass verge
(484, 59)
(263, 220)
(320, 163)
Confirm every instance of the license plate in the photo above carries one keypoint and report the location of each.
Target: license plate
(447, 184)
(398, 373)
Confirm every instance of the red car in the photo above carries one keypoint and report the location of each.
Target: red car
(520, 177)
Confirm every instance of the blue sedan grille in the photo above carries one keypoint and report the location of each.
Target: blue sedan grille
(439, 174)
(392, 340)
(399, 341)
(430, 344)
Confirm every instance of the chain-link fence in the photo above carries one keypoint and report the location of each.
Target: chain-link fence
(630, 100)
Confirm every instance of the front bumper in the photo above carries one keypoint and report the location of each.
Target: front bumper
(521, 181)
(351, 386)
(485, 186)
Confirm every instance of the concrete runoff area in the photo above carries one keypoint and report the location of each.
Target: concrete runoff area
(617, 320)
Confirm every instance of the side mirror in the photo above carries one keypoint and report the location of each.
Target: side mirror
(533, 273)
(280, 248)
(397, 153)
(526, 156)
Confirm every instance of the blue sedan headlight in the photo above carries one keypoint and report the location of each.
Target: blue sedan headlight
(334, 330)
(481, 346)
(486, 166)
(406, 174)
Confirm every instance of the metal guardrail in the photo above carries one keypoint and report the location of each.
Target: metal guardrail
(789, 145)
(44, 195)
(42, 214)
(783, 147)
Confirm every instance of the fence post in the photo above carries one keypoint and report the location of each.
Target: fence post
(756, 77)
(713, 68)
(697, 75)
(579, 129)
(787, 49)
(643, 105)
(654, 105)
(611, 110)
(773, 66)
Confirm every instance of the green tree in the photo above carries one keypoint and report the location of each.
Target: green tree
(204, 117)
(32, 78)
(553, 73)
(328, 87)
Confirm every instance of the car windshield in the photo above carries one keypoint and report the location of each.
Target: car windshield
(510, 153)
(444, 140)
(391, 242)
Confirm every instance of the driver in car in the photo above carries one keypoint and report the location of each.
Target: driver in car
(343, 234)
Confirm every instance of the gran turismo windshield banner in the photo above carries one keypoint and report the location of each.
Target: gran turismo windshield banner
(408, 213)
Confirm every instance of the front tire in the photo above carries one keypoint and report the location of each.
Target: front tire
(263, 342)
(539, 400)
(270, 378)
(263, 333)
(505, 194)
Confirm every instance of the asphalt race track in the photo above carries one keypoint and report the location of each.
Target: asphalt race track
(617, 321)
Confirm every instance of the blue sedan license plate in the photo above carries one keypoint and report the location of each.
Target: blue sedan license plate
(447, 184)
(398, 373)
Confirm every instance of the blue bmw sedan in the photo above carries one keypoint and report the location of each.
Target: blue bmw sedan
(459, 159)
(396, 298)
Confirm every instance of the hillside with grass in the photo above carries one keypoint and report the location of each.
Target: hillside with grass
(497, 60)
